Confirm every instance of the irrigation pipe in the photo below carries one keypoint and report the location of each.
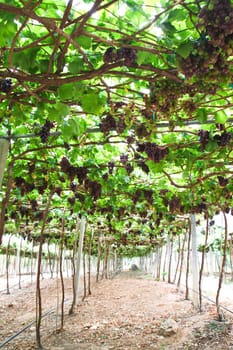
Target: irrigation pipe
(8, 340)
(212, 301)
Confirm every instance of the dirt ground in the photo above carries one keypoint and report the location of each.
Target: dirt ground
(131, 311)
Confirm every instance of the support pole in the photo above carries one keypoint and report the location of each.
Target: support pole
(4, 147)
(79, 258)
(195, 269)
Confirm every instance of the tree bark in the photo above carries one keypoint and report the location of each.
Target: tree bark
(98, 259)
(178, 261)
(6, 200)
(38, 291)
(220, 316)
(170, 260)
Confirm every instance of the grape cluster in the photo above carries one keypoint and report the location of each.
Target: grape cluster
(111, 166)
(153, 151)
(45, 131)
(73, 186)
(223, 139)
(72, 171)
(203, 138)
(24, 211)
(94, 188)
(125, 55)
(23, 185)
(141, 130)
(222, 181)
(107, 124)
(215, 45)
(71, 200)
(5, 85)
(148, 194)
(216, 19)
(58, 190)
(175, 205)
(141, 163)
(81, 173)
(34, 204)
(164, 95)
(80, 197)
(124, 158)
(129, 168)
(120, 126)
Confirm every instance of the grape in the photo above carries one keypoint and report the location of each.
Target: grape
(126, 55)
(94, 188)
(107, 124)
(5, 85)
(111, 166)
(223, 139)
(34, 204)
(143, 166)
(153, 151)
(129, 168)
(124, 158)
(73, 186)
(71, 200)
(222, 181)
(45, 131)
(110, 55)
(203, 138)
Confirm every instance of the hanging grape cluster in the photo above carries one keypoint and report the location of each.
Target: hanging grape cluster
(153, 151)
(215, 45)
(141, 163)
(164, 94)
(72, 171)
(126, 56)
(203, 138)
(216, 20)
(5, 85)
(109, 123)
(111, 166)
(222, 139)
(44, 132)
(23, 185)
(222, 181)
(94, 188)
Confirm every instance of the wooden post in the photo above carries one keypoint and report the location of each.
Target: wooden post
(195, 268)
(79, 257)
(4, 147)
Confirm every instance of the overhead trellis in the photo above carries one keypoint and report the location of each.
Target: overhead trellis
(102, 100)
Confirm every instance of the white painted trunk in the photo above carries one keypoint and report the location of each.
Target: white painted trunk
(195, 269)
(4, 147)
(79, 258)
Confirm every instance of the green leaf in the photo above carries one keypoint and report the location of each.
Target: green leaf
(66, 91)
(93, 103)
(84, 41)
(202, 114)
(75, 66)
(185, 49)
(177, 15)
(221, 117)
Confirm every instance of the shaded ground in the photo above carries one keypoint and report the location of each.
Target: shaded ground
(129, 312)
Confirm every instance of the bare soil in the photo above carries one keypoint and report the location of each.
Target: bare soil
(126, 312)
